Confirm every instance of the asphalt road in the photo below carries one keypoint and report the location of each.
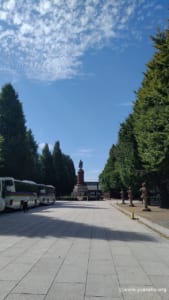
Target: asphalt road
(80, 250)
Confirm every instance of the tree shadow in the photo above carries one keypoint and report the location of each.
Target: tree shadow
(42, 222)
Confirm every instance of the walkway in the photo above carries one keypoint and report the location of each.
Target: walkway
(81, 251)
(157, 218)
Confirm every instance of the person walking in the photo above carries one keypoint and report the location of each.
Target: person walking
(25, 206)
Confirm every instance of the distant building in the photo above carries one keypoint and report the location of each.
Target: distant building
(93, 190)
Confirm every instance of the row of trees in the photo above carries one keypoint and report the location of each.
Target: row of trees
(19, 155)
(142, 150)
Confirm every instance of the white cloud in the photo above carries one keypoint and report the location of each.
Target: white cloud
(3, 15)
(84, 152)
(47, 39)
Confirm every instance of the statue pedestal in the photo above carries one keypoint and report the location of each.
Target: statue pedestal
(80, 191)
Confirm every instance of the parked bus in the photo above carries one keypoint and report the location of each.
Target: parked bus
(16, 194)
(13, 193)
(46, 194)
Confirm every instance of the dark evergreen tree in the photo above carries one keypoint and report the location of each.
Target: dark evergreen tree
(13, 131)
(58, 169)
(33, 169)
(1, 154)
(69, 174)
(47, 168)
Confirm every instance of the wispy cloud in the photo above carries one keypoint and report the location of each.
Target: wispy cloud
(46, 39)
(83, 153)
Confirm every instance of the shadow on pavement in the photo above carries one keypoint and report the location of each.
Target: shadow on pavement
(39, 222)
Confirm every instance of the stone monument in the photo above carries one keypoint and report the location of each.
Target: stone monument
(144, 196)
(130, 196)
(80, 189)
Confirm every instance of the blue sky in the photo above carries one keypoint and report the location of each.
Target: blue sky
(75, 65)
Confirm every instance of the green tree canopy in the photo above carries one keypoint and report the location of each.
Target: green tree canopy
(69, 174)
(128, 161)
(64, 171)
(143, 140)
(33, 169)
(58, 168)
(151, 115)
(151, 111)
(47, 167)
(110, 177)
(13, 131)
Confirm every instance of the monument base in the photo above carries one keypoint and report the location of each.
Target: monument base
(80, 191)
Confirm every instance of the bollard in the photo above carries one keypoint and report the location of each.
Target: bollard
(132, 215)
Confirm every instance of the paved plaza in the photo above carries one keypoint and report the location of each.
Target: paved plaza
(81, 251)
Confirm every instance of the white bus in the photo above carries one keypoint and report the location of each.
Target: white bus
(14, 193)
(46, 194)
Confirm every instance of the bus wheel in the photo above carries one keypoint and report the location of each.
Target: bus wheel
(2, 204)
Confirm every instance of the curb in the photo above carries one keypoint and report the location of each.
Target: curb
(162, 231)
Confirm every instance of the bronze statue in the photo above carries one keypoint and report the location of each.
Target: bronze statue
(80, 164)
(144, 196)
(130, 196)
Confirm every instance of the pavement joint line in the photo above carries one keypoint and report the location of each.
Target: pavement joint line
(90, 246)
(142, 220)
(36, 264)
(115, 268)
(71, 245)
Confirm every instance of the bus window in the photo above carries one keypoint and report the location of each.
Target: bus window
(8, 185)
(8, 182)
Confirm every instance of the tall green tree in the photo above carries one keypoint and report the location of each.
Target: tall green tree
(13, 131)
(33, 169)
(110, 177)
(151, 115)
(58, 164)
(69, 174)
(64, 171)
(1, 154)
(128, 160)
(47, 167)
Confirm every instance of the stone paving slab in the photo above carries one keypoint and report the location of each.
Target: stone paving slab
(5, 287)
(80, 250)
(102, 286)
(66, 291)
(40, 277)
(25, 297)
(14, 271)
(101, 267)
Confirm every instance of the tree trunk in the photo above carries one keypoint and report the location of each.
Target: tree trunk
(164, 195)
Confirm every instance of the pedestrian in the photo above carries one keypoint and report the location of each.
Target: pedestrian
(25, 206)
